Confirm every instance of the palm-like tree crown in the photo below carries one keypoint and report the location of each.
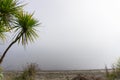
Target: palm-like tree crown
(12, 17)
(8, 11)
(2, 35)
(25, 26)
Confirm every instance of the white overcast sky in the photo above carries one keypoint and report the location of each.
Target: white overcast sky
(74, 34)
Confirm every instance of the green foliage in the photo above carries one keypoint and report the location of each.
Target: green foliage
(8, 10)
(22, 24)
(2, 35)
(115, 73)
(29, 73)
(14, 19)
(1, 74)
(25, 25)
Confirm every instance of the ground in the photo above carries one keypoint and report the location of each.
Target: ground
(65, 75)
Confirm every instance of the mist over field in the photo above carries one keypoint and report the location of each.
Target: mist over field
(74, 35)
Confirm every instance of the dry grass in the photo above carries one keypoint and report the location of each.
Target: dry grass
(70, 75)
(88, 77)
(28, 73)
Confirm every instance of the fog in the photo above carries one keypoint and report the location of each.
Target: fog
(73, 35)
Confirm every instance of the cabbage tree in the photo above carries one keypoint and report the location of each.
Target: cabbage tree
(14, 19)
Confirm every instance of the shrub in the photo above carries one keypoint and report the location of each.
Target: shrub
(28, 73)
(115, 73)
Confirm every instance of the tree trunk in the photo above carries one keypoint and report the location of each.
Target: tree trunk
(4, 53)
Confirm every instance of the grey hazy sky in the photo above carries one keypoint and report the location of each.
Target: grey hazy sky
(74, 34)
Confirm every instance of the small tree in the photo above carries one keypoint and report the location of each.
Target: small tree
(14, 19)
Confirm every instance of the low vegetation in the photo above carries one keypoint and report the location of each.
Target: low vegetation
(115, 72)
(28, 73)
(88, 77)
